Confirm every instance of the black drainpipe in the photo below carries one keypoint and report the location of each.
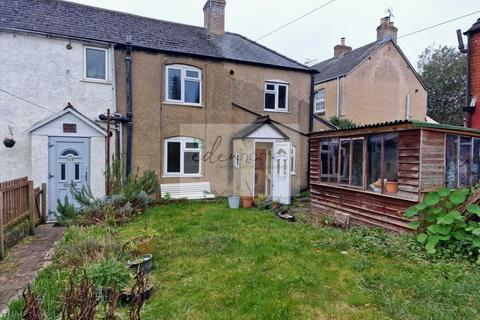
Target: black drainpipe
(310, 124)
(128, 64)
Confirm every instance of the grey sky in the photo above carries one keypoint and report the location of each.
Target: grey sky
(314, 36)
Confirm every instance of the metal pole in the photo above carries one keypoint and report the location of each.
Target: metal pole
(107, 180)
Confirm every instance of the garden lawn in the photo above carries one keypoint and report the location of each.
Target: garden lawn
(215, 263)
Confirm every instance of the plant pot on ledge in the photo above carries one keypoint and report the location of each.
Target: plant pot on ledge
(9, 142)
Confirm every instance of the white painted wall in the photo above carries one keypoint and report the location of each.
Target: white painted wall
(44, 72)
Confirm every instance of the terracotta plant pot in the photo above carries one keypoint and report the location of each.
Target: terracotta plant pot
(146, 247)
(247, 201)
(391, 186)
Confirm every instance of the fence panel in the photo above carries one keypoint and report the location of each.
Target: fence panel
(18, 201)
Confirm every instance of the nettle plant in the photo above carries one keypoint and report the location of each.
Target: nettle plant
(439, 222)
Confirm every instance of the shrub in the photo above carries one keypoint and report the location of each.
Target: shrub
(442, 227)
(65, 212)
(109, 273)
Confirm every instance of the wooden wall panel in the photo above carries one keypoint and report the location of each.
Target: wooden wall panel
(409, 164)
(314, 159)
(433, 160)
(364, 208)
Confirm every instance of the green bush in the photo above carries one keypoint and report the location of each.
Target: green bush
(66, 212)
(109, 273)
(443, 228)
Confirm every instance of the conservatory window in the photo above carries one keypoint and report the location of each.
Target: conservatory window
(462, 163)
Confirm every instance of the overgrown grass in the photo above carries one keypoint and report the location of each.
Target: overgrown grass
(215, 263)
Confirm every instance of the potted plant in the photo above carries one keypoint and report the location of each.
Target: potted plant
(391, 186)
(247, 201)
(9, 141)
(144, 242)
(143, 263)
(262, 201)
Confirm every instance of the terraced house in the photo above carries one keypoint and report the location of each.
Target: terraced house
(210, 111)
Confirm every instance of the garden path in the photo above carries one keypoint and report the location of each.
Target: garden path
(24, 261)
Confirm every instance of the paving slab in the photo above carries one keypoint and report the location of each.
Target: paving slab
(24, 260)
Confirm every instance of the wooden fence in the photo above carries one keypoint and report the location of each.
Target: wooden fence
(19, 201)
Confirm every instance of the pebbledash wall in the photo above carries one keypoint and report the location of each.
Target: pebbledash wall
(41, 75)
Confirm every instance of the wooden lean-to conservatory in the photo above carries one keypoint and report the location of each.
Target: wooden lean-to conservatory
(370, 174)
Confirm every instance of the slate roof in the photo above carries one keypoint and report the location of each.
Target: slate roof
(342, 65)
(345, 63)
(259, 122)
(72, 20)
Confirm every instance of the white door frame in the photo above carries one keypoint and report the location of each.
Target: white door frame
(271, 165)
(53, 170)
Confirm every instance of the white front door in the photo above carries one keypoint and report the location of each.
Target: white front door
(281, 188)
(69, 160)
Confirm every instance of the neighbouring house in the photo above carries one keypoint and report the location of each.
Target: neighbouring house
(472, 101)
(370, 84)
(54, 82)
(368, 175)
(212, 109)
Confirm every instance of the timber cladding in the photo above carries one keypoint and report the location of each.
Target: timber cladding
(364, 208)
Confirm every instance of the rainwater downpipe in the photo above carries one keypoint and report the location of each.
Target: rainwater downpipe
(338, 97)
(128, 65)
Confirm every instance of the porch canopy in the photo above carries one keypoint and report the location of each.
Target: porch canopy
(372, 173)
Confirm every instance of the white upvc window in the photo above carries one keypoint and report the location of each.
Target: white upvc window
(183, 84)
(293, 159)
(320, 101)
(95, 64)
(182, 157)
(276, 96)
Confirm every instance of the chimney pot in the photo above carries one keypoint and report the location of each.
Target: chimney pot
(214, 16)
(386, 30)
(341, 48)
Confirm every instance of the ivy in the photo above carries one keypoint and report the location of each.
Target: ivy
(440, 224)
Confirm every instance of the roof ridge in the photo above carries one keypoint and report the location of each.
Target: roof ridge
(271, 50)
(126, 13)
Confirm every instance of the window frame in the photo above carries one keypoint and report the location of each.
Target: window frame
(107, 64)
(472, 160)
(322, 111)
(276, 91)
(183, 78)
(183, 149)
(293, 160)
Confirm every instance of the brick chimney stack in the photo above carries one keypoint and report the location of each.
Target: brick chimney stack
(386, 29)
(341, 48)
(214, 16)
(473, 77)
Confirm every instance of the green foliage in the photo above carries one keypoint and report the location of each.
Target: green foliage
(444, 69)
(342, 122)
(444, 227)
(109, 273)
(66, 212)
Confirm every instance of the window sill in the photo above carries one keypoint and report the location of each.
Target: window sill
(184, 104)
(182, 176)
(96, 81)
(321, 113)
(275, 111)
(337, 186)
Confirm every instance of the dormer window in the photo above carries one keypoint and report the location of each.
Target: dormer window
(276, 96)
(95, 64)
(183, 84)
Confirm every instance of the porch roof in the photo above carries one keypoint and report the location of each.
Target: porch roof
(260, 122)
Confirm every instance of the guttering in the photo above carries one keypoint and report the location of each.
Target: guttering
(128, 65)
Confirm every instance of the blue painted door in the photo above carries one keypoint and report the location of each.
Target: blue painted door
(69, 160)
